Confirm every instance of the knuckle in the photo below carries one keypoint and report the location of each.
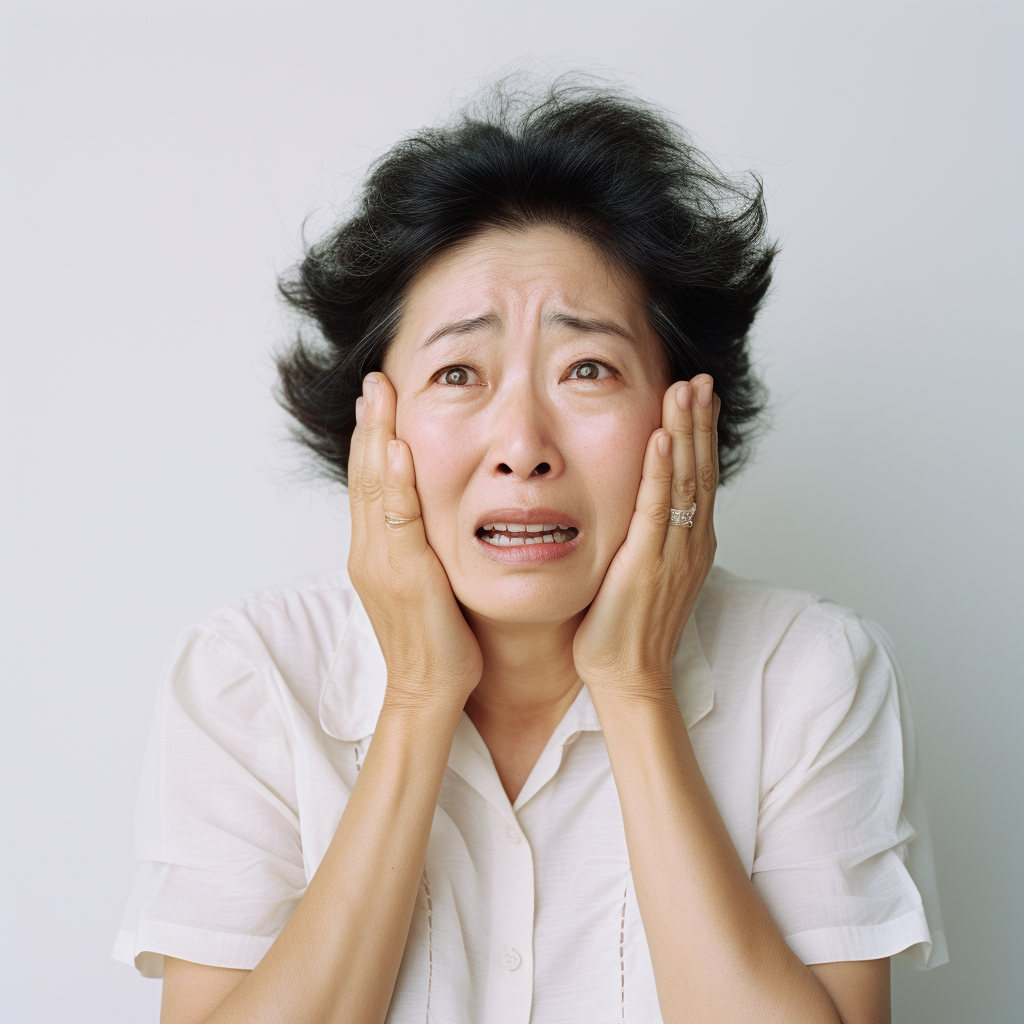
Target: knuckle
(371, 485)
(684, 489)
(707, 477)
(657, 514)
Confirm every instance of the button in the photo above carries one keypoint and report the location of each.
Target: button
(513, 835)
(510, 959)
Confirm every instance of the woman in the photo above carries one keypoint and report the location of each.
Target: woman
(606, 782)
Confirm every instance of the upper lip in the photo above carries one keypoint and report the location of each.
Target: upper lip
(527, 516)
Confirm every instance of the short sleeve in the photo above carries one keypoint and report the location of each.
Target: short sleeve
(843, 855)
(217, 831)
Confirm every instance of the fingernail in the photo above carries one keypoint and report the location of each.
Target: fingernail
(664, 445)
(360, 402)
(393, 451)
(683, 396)
(369, 388)
(705, 394)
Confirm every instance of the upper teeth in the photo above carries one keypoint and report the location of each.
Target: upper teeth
(525, 527)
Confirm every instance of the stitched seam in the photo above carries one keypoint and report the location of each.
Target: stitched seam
(430, 939)
(622, 953)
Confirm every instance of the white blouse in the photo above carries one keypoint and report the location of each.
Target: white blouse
(799, 718)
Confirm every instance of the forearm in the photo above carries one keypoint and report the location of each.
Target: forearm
(716, 952)
(338, 956)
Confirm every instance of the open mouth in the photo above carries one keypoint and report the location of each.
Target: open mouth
(505, 535)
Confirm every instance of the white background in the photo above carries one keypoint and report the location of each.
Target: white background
(158, 161)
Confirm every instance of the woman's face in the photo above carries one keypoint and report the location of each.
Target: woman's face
(528, 383)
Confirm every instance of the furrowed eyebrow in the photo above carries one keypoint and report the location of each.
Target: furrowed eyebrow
(463, 327)
(587, 325)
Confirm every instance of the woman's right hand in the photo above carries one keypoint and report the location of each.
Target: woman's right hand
(338, 954)
(432, 656)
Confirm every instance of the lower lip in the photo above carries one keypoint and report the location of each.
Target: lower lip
(525, 554)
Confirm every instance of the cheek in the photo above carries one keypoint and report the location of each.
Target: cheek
(610, 457)
(439, 455)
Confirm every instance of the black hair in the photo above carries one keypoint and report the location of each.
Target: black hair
(590, 158)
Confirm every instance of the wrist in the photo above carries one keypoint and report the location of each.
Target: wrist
(634, 693)
(638, 705)
(414, 742)
(417, 714)
(641, 729)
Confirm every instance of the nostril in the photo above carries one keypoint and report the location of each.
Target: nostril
(540, 470)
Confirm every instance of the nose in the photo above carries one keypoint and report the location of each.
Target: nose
(524, 437)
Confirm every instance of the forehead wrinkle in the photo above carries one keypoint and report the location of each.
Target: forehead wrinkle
(516, 281)
(556, 318)
(464, 326)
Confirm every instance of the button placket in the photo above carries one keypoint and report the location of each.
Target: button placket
(510, 994)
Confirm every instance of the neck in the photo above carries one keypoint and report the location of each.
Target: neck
(529, 679)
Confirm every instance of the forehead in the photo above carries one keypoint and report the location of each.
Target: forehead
(523, 273)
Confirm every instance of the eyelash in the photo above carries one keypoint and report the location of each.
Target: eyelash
(441, 374)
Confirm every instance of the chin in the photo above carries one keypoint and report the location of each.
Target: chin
(525, 602)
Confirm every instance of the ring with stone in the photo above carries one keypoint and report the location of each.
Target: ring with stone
(682, 516)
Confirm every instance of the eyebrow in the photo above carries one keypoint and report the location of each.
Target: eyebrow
(585, 325)
(463, 327)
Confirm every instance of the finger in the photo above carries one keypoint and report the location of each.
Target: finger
(379, 425)
(403, 523)
(354, 478)
(678, 417)
(714, 437)
(650, 518)
(701, 409)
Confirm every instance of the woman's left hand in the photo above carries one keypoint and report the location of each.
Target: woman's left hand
(625, 643)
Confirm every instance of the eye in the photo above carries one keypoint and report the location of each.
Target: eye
(455, 376)
(590, 369)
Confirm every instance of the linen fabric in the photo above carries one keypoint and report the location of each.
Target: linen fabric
(800, 721)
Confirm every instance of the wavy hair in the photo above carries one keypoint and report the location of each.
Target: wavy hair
(592, 159)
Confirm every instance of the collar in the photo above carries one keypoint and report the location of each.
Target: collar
(354, 692)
